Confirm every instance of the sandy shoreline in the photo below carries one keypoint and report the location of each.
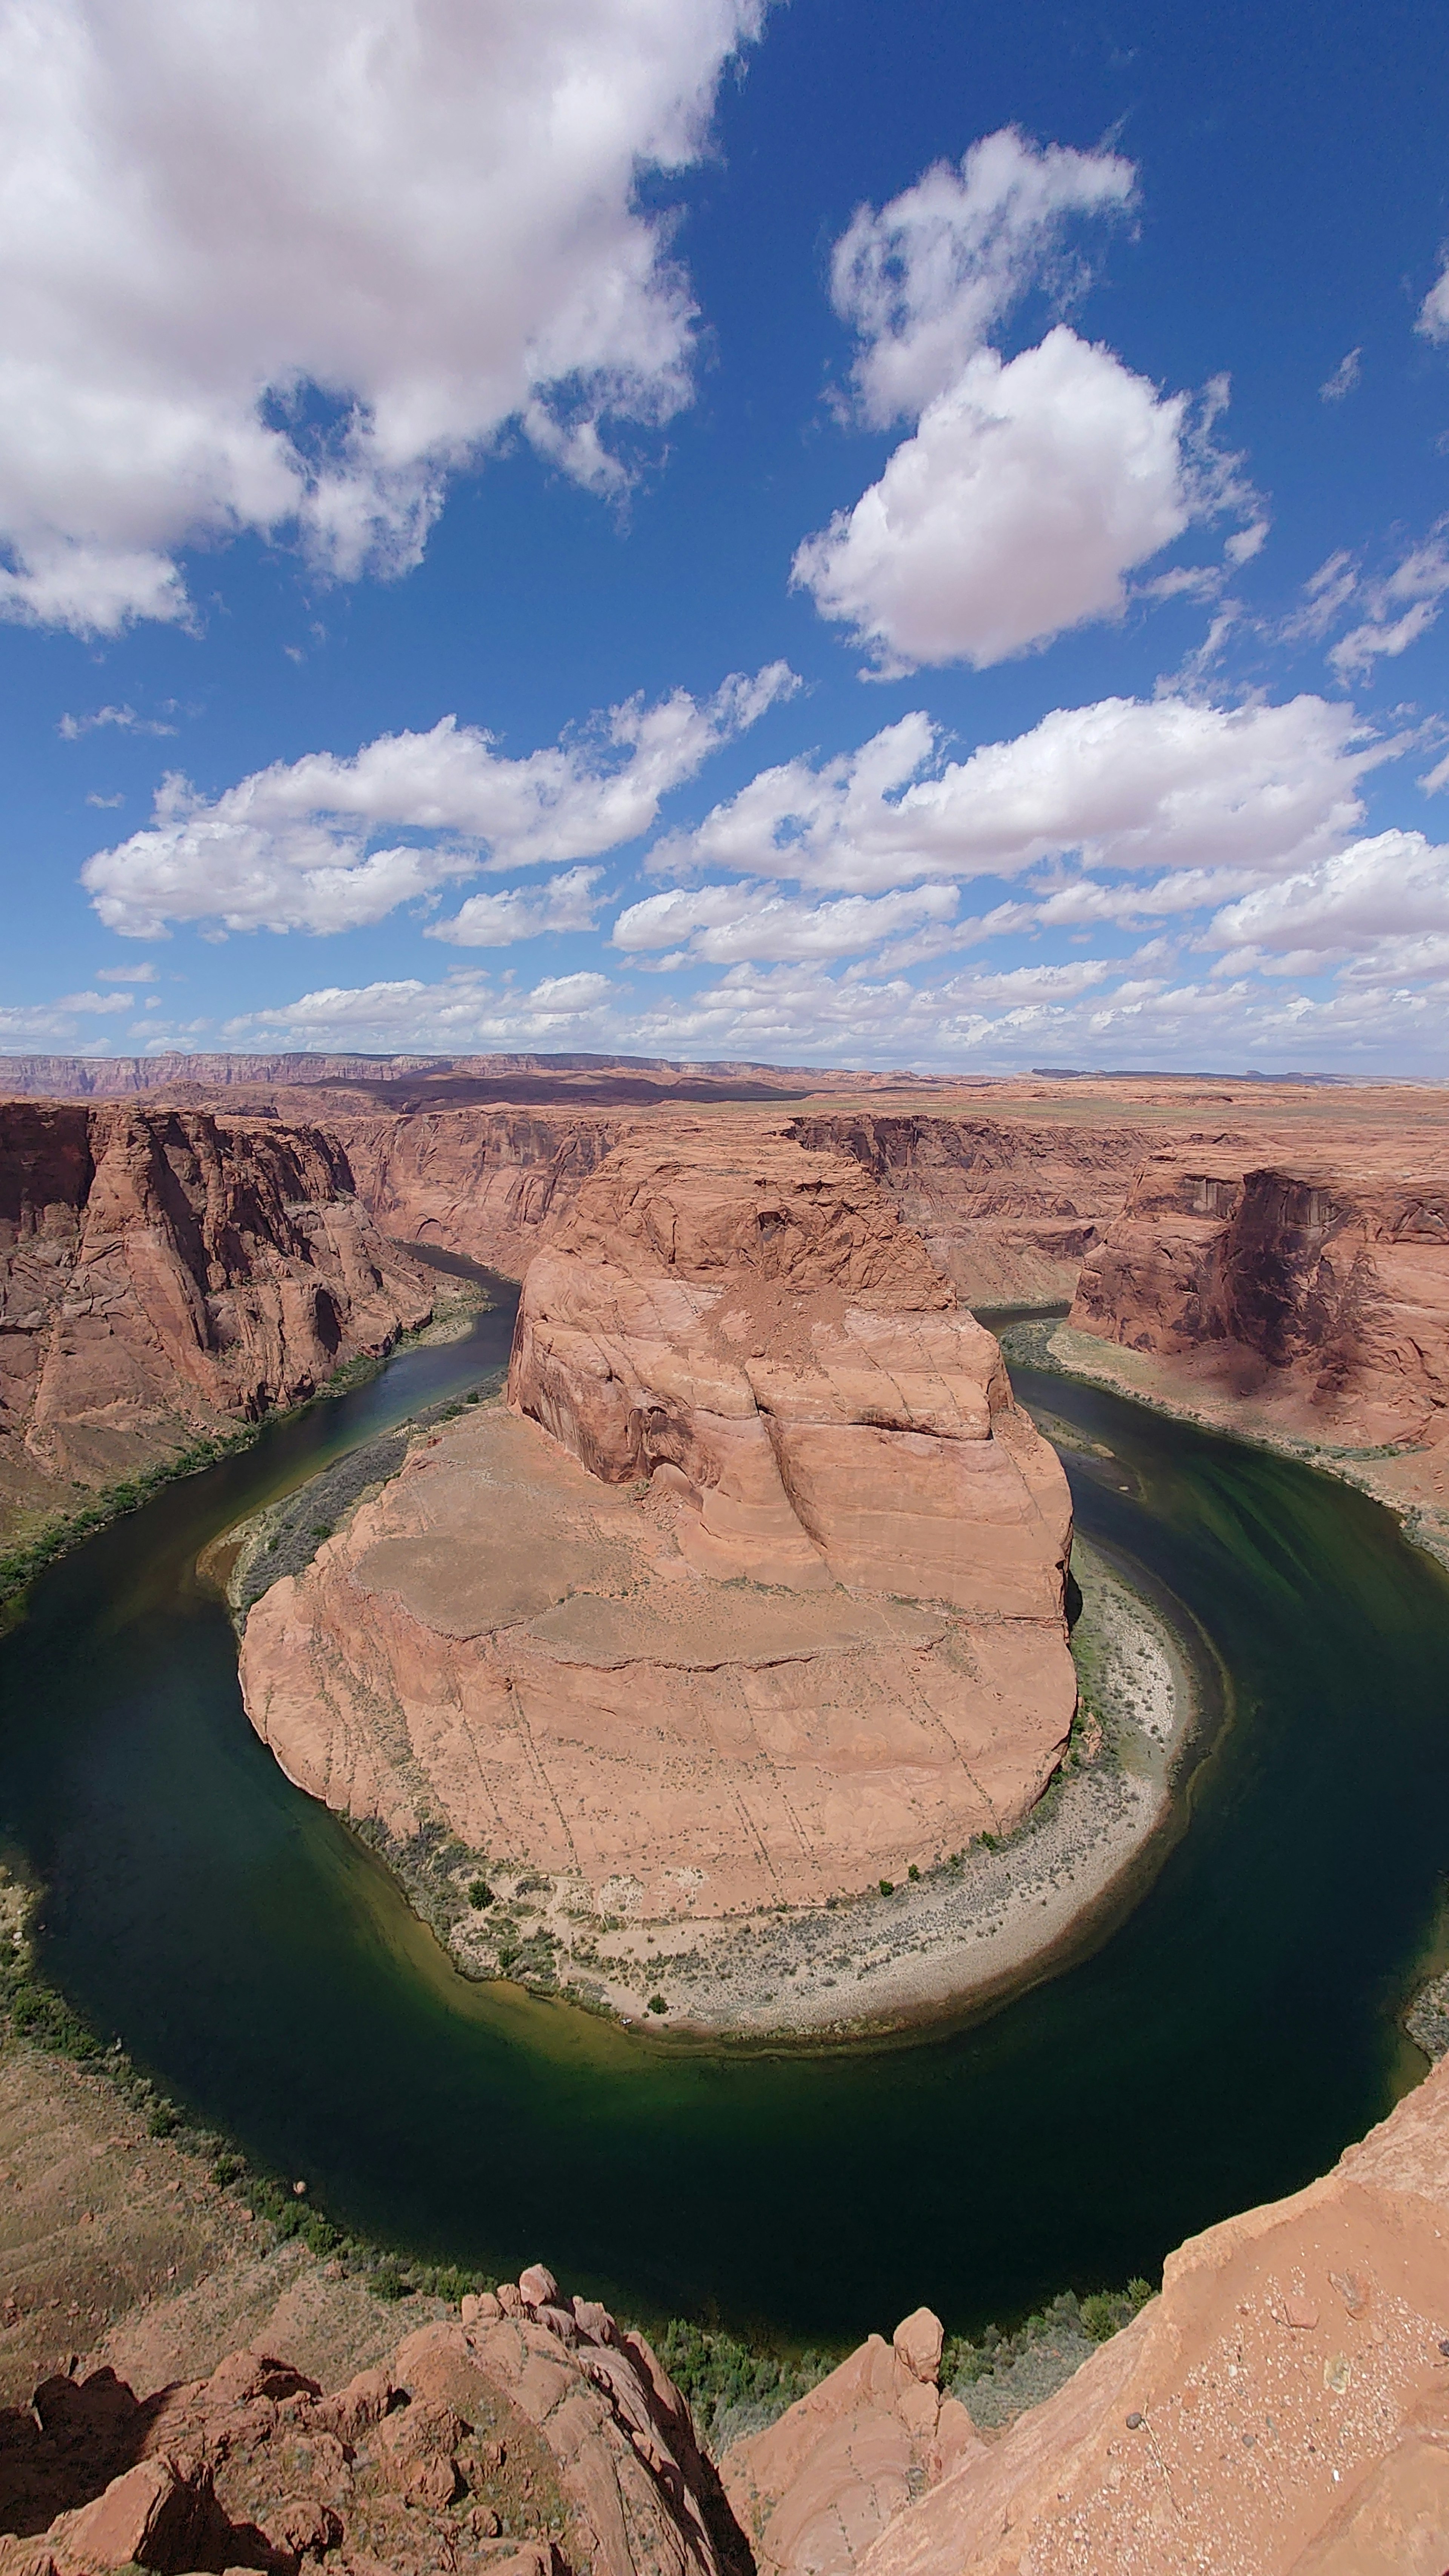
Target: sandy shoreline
(1411, 1482)
(970, 1925)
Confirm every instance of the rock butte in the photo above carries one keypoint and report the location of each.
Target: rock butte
(754, 1596)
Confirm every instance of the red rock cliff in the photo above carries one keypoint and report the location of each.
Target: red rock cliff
(162, 1270)
(1323, 1278)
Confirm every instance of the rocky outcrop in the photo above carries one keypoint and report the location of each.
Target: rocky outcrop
(164, 1271)
(532, 2436)
(752, 1324)
(755, 1598)
(817, 2488)
(1281, 2410)
(1321, 1285)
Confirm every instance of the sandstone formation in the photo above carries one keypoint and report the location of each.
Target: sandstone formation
(1319, 1285)
(164, 1271)
(764, 1602)
(1007, 1208)
(1283, 2406)
(817, 2488)
(535, 2435)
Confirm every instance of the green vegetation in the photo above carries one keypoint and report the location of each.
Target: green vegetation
(479, 1894)
(20, 1564)
(657, 2004)
(887, 1887)
(732, 2387)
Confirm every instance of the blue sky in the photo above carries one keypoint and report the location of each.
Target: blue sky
(843, 534)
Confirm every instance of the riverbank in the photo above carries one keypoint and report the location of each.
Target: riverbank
(36, 1540)
(1411, 1481)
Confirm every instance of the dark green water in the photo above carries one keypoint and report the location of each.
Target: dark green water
(1218, 2049)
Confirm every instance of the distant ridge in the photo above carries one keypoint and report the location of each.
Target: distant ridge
(1175, 1073)
(79, 1077)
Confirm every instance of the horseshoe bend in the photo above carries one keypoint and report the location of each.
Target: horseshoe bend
(751, 1596)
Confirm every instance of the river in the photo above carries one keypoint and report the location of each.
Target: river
(1217, 2048)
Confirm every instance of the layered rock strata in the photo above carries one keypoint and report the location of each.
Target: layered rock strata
(755, 1597)
(164, 1271)
(1321, 1286)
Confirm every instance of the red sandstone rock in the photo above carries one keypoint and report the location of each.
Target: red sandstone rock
(818, 2488)
(1214, 2435)
(162, 1272)
(1320, 1283)
(776, 1612)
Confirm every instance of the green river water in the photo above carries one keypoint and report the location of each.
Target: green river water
(1217, 2047)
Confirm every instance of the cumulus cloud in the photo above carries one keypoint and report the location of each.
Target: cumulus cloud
(1028, 492)
(566, 902)
(467, 1010)
(925, 279)
(292, 847)
(282, 267)
(1032, 486)
(721, 924)
(54, 1023)
(1165, 784)
(1375, 903)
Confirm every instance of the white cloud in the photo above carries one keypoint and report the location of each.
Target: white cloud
(1369, 903)
(107, 804)
(1344, 378)
(1142, 785)
(144, 971)
(70, 728)
(283, 266)
(566, 902)
(925, 280)
(1025, 496)
(721, 924)
(1433, 318)
(1400, 608)
(54, 1023)
(468, 1010)
(290, 847)
(1032, 485)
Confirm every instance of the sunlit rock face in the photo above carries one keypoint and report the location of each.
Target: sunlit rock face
(1320, 1284)
(753, 1597)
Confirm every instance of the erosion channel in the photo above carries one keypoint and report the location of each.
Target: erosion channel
(1233, 2029)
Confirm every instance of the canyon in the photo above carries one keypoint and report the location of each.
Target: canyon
(746, 1378)
(1280, 2409)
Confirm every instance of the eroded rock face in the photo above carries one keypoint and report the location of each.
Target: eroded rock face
(161, 1271)
(817, 2489)
(1282, 2408)
(754, 1598)
(1323, 1281)
(752, 1324)
(533, 2437)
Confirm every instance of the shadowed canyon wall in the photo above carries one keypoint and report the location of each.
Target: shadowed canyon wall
(166, 1271)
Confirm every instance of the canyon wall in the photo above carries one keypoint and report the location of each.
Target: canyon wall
(1319, 1283)
(1008, 1209)
(166, 1271)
